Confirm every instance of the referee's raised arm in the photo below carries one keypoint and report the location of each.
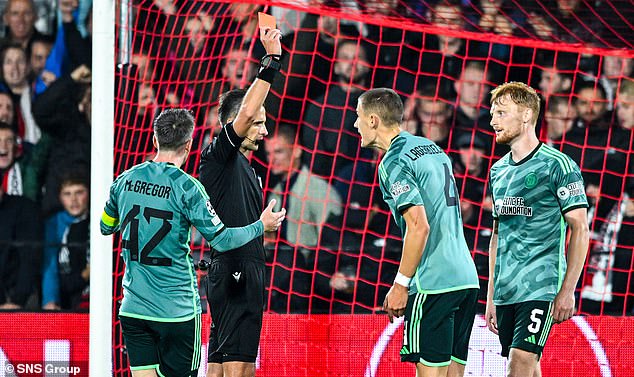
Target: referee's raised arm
(257, 92)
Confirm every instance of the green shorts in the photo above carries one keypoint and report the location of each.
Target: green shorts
(525, 325)
(172, 348)
(438, 327)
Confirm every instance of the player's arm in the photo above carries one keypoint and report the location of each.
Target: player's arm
(221, 238)
(490, 315)
(564, 304)
(416, 233)
(257, 92)
(110, 217)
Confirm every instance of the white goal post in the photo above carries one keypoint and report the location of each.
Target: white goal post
(103, 64)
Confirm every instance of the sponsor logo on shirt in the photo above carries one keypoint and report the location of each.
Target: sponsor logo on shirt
(399, 188)
(570, 190)
(512, 206)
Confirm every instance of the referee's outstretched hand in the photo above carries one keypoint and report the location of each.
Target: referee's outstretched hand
(271, 40)
(272, 220)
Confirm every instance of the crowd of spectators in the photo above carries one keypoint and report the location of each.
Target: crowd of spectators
(339, 248)
(45, 111)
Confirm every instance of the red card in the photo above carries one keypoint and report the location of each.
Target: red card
(266, 20)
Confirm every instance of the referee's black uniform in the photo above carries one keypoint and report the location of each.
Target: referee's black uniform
(235, 282)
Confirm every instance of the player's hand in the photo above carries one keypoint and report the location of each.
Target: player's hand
(491, 317)
(563, 306)
(271, 40)
(272, 220)
(395, 301)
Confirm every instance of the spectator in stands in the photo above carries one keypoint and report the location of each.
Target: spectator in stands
(607, 280)
(194, 59)
(64, 276)
(238, 68)
(496, 16)
(625, 105)
(15, 70)
(613, 70)
(618, 16)
(18, 173)
(471, 90)
(442, 54)
(19, 16)
(310, 52)
(427, 113)
(587, 140)
(64, 113)
(78, 47)
(328, 133)
(39, 49)
(310, 202)
(572, 21)
(503, 18)
(555, 79)
(308, 199)
(7, 110)
(388, 42)
(20, 251)
(471, 174)
(559, 115)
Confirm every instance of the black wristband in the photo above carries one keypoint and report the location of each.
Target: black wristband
(269, 66)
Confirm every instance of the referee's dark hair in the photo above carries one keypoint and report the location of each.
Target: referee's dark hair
(229, 105)
(385, 103)
(173, 128)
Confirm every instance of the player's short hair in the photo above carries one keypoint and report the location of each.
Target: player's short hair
(627, 87)
(229, 105)
(385, 103)
(173, 128)
(520, 93)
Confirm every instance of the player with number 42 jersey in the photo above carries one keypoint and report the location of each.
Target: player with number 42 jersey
(148, 203)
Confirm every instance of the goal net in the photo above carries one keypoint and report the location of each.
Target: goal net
(339, 250)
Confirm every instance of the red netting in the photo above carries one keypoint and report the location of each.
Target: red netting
(340, 250)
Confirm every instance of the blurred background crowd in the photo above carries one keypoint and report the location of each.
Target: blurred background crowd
(339, 249)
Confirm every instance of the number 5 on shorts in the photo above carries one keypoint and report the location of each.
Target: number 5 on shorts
(536, 321)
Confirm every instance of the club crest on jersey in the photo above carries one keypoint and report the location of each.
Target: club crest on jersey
(214, 217)
(530, 181)
(399, 188)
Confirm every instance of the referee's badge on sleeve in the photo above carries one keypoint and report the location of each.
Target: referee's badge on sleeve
(214, 217)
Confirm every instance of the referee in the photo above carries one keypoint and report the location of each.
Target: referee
(235, 282)
(154, 205)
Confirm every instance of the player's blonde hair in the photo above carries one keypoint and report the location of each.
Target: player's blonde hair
(520, 93)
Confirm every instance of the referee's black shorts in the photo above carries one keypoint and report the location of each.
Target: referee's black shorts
(235, 292)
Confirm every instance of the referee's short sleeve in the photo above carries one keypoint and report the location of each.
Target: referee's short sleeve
(224, 145)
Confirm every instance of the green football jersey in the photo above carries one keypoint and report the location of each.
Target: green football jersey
(416, 172)
(154, 205)
(530, 198)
